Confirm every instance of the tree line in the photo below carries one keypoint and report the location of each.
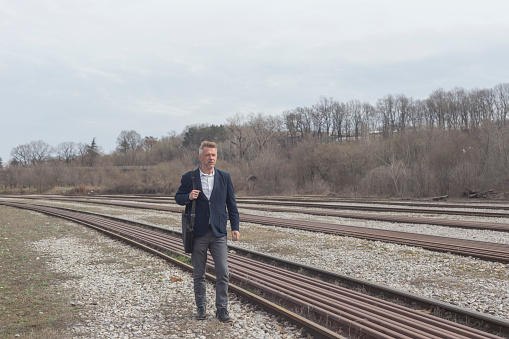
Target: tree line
(447, 144)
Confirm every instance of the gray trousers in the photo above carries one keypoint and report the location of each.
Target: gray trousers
(219, 251)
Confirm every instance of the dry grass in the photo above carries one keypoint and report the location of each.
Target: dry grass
(30, 303)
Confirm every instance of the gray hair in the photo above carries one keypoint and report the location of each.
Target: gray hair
(208, 144)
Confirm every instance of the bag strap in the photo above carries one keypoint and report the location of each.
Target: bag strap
(193, 206)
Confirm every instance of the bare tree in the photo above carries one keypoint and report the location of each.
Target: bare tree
(458, 138)
(262, 129)
(482, 106)
(415, 119)
(41, 151)
(386, 107)
(128, 141)
(238, 135)
(293, 124)
(368, 118)
(21, 155)
(502, 102)
(266, 171)
(323, 113)
(459, 105)
(317, 119)
(338, 118)
(67, 151)
(32, 153)
(354, 109)
(166, 149)
(149, 142)
(403, 108)
(437, 108)
(306, 119)
(82, 152)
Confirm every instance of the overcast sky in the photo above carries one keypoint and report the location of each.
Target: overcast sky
(73, 70)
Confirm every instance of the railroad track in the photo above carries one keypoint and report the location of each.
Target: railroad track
(346, 312)
(359, 205)
(354, 205)
(495, 226)
(496, 205)
(482, 225)
(478, 249)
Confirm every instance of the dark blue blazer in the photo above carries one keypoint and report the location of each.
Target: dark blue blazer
(215, 209)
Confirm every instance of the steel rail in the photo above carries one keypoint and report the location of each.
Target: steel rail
(351, 311)
(483, 250)
(380, 291)
(336, 205)
(167, 247)
(383, 209)
(494, 205)
(386, 317)
(319, 204)
(486, 205)
(483, 225)
(372, 288)
(496, 226)
(479, 249)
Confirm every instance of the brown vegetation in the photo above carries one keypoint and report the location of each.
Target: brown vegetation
(447, 144)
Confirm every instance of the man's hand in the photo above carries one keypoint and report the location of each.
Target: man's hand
(194, 194)
(235, 235)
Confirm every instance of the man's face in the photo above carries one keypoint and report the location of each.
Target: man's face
(208, 158)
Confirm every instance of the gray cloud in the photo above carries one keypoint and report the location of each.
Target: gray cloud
(73, 70)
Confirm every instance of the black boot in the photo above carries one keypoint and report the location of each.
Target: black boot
(200, 314)
(222, 315)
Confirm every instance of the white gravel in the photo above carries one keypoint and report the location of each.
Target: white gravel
(467, 282)
(429, 229)
(123, 292)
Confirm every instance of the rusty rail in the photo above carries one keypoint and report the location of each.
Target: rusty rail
(347, 312)
(479, 249)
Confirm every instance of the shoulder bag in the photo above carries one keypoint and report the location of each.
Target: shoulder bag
(188, 224)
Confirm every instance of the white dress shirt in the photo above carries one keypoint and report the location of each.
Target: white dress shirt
(207, 183)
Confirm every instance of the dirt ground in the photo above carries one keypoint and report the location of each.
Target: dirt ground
(31, 306)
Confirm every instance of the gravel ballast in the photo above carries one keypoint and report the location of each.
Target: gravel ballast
(123, 292)
(467, 282)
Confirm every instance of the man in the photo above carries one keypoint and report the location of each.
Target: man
(214, 195)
